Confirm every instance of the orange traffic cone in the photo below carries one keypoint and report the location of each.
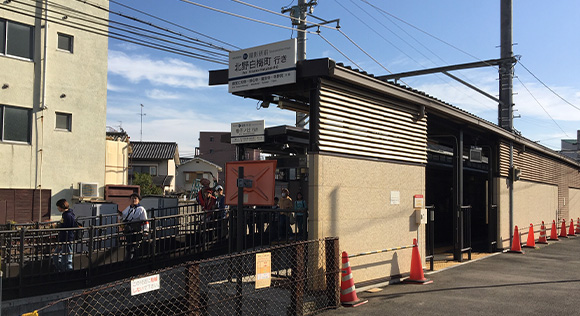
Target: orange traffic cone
(571, 230)
(531, 243)
(563, 229)
(516, 245)
(542, 239)
(578, 226)
(554, 233)
(348, 296)
(416, 276)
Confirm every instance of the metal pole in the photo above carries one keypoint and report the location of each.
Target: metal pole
(240, 229)
(301, 50)
(506, 95)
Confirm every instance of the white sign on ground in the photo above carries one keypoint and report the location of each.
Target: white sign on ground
(146, 284)
(262, 66)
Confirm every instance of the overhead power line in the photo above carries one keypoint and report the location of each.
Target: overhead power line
(244, 17)
(283, 15)
(545, 85)
(108, 23)
(106, 33)
(171, 23)
(543, 108)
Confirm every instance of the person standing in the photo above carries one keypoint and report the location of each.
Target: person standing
(63, 252)
(301, 215)
(135, 225)
(285, 218)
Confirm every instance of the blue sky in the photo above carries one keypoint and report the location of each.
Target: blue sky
(178, 103)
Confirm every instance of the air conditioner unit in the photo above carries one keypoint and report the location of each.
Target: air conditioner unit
(87, 189)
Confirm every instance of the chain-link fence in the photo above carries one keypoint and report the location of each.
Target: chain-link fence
(304, 279)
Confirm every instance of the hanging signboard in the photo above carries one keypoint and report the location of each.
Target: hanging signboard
(262, 66)
(248, 132)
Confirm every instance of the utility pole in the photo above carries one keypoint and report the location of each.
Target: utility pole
(298, 15)
(142, 114)
(506, 119)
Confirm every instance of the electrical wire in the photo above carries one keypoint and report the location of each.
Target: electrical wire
(338, 50)
(427, 33)
(543, 108)
(118, 28)
(283, 15)
(545, 85)
(244, 17)
(172, 23)
(115, 36)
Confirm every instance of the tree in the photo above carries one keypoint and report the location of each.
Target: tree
(145, 181)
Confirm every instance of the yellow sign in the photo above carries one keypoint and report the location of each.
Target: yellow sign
(263, 270)
(35, 313)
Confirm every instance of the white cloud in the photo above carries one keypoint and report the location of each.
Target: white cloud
(162, 95)
(167, 72)
(115, 88)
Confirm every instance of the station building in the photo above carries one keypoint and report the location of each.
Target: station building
(373, 145)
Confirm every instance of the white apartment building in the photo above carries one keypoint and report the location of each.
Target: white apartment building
(53, 97)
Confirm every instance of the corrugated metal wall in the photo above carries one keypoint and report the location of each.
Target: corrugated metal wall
(540, 168)
(364, 124)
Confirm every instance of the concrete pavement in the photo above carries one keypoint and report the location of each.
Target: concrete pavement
(543, 281)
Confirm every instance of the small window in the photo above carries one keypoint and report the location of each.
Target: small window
(65, 42)
(211, 151)
(64, 121)
(18, 40)
(2, 36)
(211, 138)
(153, 171)
(16, 124)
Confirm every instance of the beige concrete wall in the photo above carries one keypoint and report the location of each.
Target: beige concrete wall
(533, 203)
(55, 159)
(574, 203)
(351, 198)
(117, 162)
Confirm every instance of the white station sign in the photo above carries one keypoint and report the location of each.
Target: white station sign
(262, 66)
(248, 132)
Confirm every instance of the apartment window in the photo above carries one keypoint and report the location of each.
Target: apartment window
(64, 121)
(211, 138)
(16, 39)
(65, 42)
(2, 37)
(16, 124)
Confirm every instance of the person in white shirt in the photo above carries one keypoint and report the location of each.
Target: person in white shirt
(135, 226)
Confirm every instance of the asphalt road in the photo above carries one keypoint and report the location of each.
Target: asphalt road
(543, 281)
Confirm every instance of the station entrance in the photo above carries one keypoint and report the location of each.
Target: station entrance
(459, 192)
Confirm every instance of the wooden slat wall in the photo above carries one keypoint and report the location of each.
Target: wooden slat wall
(356, 123)
(540, 168)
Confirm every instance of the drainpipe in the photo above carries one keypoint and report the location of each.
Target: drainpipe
(42, 108)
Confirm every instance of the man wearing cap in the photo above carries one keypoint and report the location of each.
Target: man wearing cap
(135, 225)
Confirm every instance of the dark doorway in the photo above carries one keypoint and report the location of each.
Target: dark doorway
(439, 193)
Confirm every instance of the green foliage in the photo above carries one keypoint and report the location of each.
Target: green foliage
(145, 181)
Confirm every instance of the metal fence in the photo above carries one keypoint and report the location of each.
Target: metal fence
(304, 281)
(101, 252)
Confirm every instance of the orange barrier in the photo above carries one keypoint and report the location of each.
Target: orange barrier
(542, 239)
(563, 229)
(531, 243)
(416, 275)
(516, 245)
(554, 234)
(348, 296)
(571, 231)
(578, 226)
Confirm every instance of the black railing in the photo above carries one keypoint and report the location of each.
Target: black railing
(103, 252)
